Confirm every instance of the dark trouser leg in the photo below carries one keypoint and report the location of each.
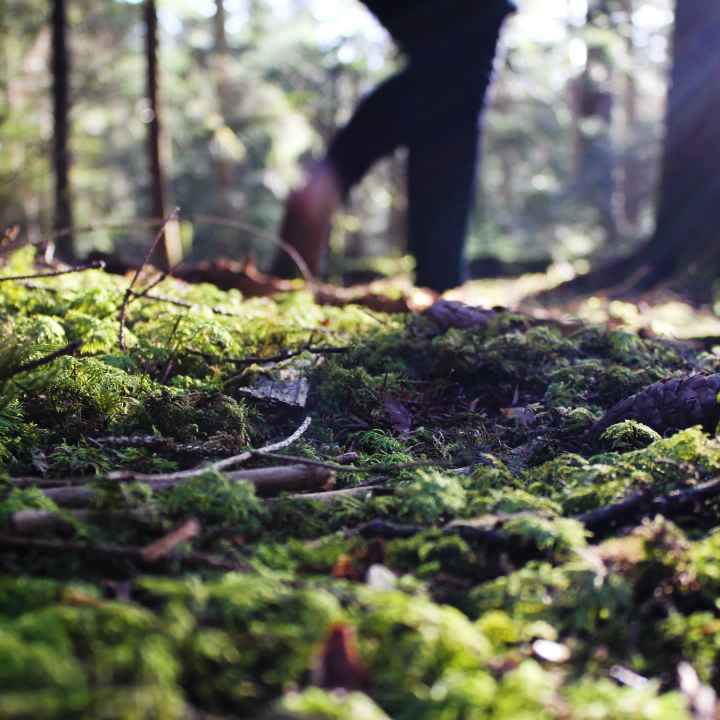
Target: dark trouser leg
(441, 183)
(433, 107)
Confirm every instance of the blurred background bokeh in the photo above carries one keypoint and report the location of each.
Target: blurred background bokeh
(251, 90)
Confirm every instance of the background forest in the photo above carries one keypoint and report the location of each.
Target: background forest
(252, 89)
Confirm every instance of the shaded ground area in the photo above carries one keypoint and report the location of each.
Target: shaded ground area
(455, 534)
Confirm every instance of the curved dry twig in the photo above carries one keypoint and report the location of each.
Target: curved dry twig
(129, 291)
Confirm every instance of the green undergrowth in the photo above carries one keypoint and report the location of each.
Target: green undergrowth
(488, 558)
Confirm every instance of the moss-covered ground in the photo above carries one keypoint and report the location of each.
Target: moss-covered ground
(499, 602)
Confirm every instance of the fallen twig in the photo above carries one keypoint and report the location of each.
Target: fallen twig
(129, 291)
(287, 355)
(187, 531)
(369, 470)
(33, 364)
(118, 552)
(97, 265)
(184, 303)
(642, 504)
(44, 522)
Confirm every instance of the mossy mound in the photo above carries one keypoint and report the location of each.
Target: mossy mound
(491, 561)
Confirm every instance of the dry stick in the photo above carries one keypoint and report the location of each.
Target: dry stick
(185, 304)
(369, 470)
(128, 292)
(169, 272)
(268, 482)
(96, 265)
(67, 350)
(285, 356)
(119, 552)
(187, 531)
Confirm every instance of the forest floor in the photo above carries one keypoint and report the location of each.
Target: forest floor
(273, 508)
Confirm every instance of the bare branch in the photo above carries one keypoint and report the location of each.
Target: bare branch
(128, 292)
(33, 364)
(369, 470)
(285, 356)
(97, 265)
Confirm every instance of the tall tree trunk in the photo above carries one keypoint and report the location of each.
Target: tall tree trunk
(157, 194)
(688, 221)
(64, 246)
(684, 251)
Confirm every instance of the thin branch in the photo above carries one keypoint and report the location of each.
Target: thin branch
(369, 470)
(184, 303)
(170, 271)
(33, 364)
(118, 552)
(128, 292)
(285, 356)
(96, 265)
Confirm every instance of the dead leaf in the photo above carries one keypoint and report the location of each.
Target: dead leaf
(513, 412)
(399, 416)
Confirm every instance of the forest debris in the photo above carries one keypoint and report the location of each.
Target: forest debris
(231, 275)
(628, 677)
(339, 667)
(412, 300)
(347, 458)
(47, 522)
(288, 384)
(443, 315)
(272, 481)
(186, 531)
(679, 403)
(288, 355)
(551, 651)
(703, 698)
(399, 416)
(381, 577)
(268, 482)
(117, 552)
(334, 495)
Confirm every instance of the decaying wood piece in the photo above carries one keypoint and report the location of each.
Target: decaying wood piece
(188, 530)
(679, 403)
(268, 482)
(117, 552)
(47, 522)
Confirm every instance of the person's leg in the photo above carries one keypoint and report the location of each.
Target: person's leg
(380, 124)
(442, 167)
(432, 106)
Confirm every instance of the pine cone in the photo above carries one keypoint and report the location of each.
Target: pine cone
(678, 403)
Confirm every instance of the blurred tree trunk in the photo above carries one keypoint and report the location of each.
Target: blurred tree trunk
(157, 194)
(632, 181)
(684, 252)
(64, 246)
(223, 167)
(594, 154)
(687, 237)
